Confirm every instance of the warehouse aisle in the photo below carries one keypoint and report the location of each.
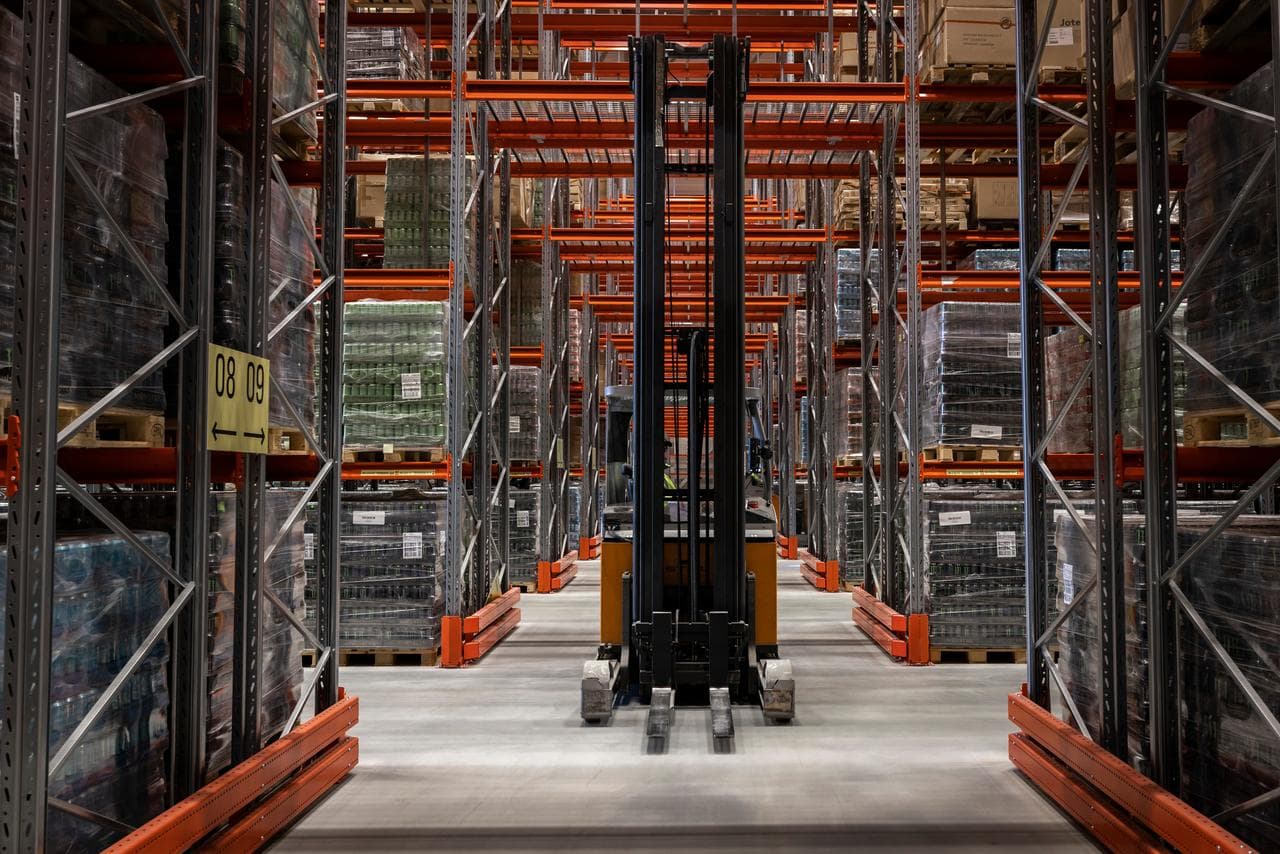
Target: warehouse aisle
(495, 758)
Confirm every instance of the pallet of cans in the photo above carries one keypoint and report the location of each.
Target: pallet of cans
(394, 374)
(522, 510)
(849, 285)
(416, 219)
(391, 550)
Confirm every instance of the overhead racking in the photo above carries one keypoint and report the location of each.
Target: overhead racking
(179, 75)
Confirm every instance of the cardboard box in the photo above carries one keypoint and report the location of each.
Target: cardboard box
(995, 198)
(371, 198)
(972, 35)
(1065, 47)
(1122, 57)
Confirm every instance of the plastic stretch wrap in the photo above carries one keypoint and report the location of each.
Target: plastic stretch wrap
(523, 421)
(392, 555)
(972, 384)
(849, 286)
(416, 219)
(802, 345)
(975, 584)
(282, 644)
(575, 345)
(106, 598)
(385, 53)
(394, 374)
(522, 509)
(1229, 754)
(990, 259)
(574, 522)
(849, 535)
(526, 304)
(1078, 259)
(293, 266)
(848, 415)
(296, 64)
(112, 318)
(1067, 355)
(1233, 316)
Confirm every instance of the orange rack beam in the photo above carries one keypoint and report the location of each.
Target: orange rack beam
(788, 547)
(555, 574)
(1122, 808)
(297, 769)
(589, 547)
(902, 636)
(467, 639)
(822, 574)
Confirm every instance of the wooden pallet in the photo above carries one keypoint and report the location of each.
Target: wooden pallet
(388, 657)
(286, 440)
(293, 139)
(1229, 427)
(979, 655)
(971, 453)
(1230, 25)
(114, 428)
(384, 105)
(394, 455)
(970, 74)
(388, 5)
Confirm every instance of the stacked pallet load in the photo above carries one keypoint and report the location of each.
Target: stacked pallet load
(113, 319)
(933, 205)
(394, 376)
(522, 510)
(391, 588)
(802, 345)
(972, 41)
(849, 535)
(385, 53)
(416, 217)
(526, 304)
(575, 345)
(1233, 316)
(524, 423)
(849, 285)
(972, 385)
(295, 71)
(1227, 748)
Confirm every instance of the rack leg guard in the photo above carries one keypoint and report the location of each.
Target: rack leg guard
(554, 575)
(822, 574)
(1123, 809)
(788, 547)
(466, 639)
(902, 636)
(253, 802)
(589, 547)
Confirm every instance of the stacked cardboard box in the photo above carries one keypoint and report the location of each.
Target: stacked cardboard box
(1233, 317)
(385, 53)
(981, 33)
(392, 584)
(394, 375)
(931, 203)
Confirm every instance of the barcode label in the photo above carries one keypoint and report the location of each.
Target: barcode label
(985, 431)
(388, 448)
(411, 386)
(1006, 544)
(1068, 584)
(411, 545)
(1013, 346)
(388, 38)
(957, 517)
(1061, 37)
(513, 424)
(308, 546)
(369, 517)
(522, 518)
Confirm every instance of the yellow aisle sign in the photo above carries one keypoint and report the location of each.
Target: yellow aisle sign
(239, 389)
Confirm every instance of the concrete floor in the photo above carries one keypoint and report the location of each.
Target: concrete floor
(494, 757)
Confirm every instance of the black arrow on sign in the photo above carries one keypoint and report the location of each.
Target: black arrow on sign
(261, 436)
(217, 432)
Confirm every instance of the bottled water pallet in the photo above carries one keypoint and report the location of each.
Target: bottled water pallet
(393, 455)
(379, 657)
(971, 453)
(1229, 427)
(977, 655)
(114, 428)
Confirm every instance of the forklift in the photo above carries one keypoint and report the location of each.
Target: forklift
(688, 605)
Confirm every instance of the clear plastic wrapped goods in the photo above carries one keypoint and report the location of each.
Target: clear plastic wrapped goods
(416, 219)
(106, 598)
(802, 345)
(112, 317)
(849, 537)
(1233, 316)
(575, 345)
(975, 578)
(1229, 754)
(296, 62)
(384, 53)
(394, 374)
(522, 509)
(526, 304)
(523, 422)
(392, 555)
(293, 266)
(1078, 259)
(849, 286)
(574, 525)
(972, 388)
(991, 259)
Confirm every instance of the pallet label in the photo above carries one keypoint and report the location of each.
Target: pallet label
(308, 546)
(1006, 544)
(369, 517)
(238, 398)
(956, 517)
(1068, 584)
(411, 386)
(411, 545)
(1013, 345)
(985, 431)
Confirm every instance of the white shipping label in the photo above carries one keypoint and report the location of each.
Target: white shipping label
(1061, 37)
(956, 517)
(411, 386)
(388, 38)
(1006, 544)
(1068, 584)
(411, 545)
(522, 518)
(369, 517)
(388, 448)
(985, 431)
(1013, 345)
(308, 546)
(513, 424)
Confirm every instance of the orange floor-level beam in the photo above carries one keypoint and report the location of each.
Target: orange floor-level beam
(187, 823)
(893, 645)
(553, 575)
(903, 636)
(1113, 786)
(589, 547)
(465, 639)
(822, 574)
(788, 547)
